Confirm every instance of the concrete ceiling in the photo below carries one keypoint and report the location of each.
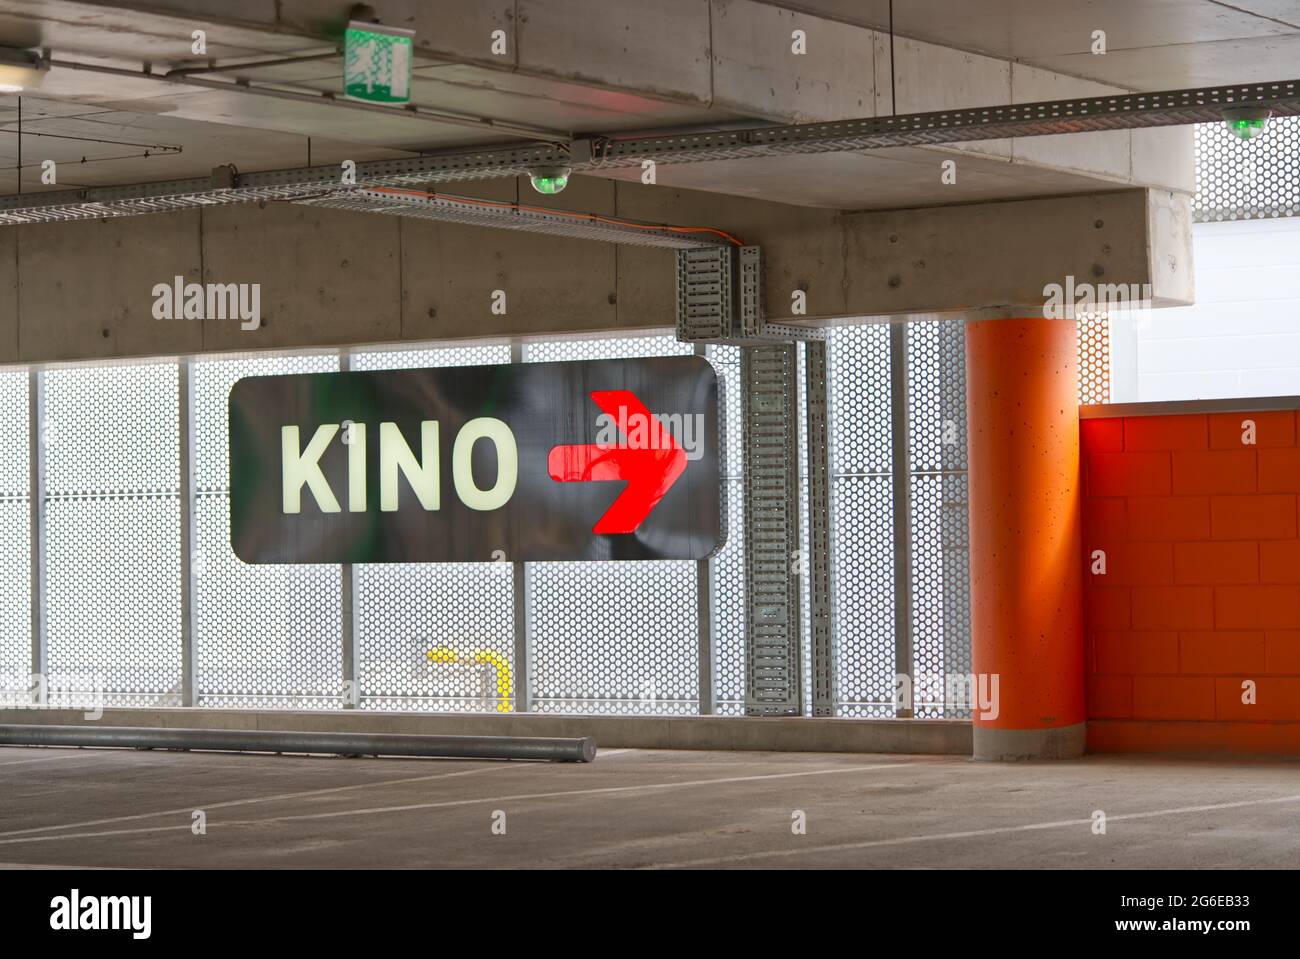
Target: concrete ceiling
(675, 68)
(1150, 44)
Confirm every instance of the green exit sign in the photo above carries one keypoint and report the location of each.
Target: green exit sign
(377, 63)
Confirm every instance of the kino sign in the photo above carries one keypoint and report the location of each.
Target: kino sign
(593, 460)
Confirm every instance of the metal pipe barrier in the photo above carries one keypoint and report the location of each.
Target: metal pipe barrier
(576, 750)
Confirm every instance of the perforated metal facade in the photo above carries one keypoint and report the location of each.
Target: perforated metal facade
(613, 637)
(435, 636)
(936, 430)
(1247, 179)
(862, 518)
(15, 532)
(727, 569)
(265, 636)
(1094, 358)
(112, 507)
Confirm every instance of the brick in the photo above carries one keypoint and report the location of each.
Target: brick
(1282, 651)
(1169, 519)
(1279, 561)
(1107, 519)
(1133, 653)
(1102, 436)
(1272, 429)
(1216, 564)
(1253, 517)
(1106, 608)
(1177, 432)
(1256, 607)
(1276, 698)
(1132, 564)
(1221, 652)
(1173, 697)
(1110, 697)
(1279, 471)
(1198, 472)
(1128, 474)
(1173, 607)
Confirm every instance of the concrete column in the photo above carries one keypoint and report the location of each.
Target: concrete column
(1025, 539)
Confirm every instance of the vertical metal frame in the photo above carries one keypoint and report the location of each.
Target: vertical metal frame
(521, 595)
(821, 600)
(773, 638)
(189, 531)
(902, 478)
(348, 624)
(36, 527)
(704, 584)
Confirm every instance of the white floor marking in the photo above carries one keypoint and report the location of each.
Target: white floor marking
(975, 833)
(306, 794)
(445, 804)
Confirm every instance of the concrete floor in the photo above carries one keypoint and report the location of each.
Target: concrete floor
(634, 808)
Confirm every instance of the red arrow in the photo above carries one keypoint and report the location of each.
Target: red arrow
(650, 470)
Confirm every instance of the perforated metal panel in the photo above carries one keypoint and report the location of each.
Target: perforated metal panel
(936, 373)
(613, 637)
(1247, 179)
(728, 567)
(113, 525)
(265, 636)
(15, 534)
(1094, 358)
(862, 517)
(435, 636)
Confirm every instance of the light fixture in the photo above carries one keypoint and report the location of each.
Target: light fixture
(21, 70)
(1246, 123)
(549, 179)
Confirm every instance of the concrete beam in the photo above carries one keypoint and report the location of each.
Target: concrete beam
(331, 278)
(999, 256)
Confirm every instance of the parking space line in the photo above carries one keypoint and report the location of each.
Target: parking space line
(22, 836)
(279, 797)
(972, 833)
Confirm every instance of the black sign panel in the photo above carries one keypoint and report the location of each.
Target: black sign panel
(593, 460)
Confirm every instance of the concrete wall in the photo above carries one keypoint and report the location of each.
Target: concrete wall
(1201, 590)
(83, 290)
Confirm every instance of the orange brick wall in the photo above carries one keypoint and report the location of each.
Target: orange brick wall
(1201, 534)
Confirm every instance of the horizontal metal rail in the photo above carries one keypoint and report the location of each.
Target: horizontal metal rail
(582, 226)
(575, 750)
(594, 155)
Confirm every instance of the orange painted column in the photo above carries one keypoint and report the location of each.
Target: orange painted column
(1025, 538)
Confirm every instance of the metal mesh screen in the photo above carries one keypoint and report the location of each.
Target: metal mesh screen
(613, 637)
(435, 636)
(1094, 358)
(1247, 179)
(15, 532)
(936, 375)
(728, 567)
(265, 636)
(113, 591)
(862, 518)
